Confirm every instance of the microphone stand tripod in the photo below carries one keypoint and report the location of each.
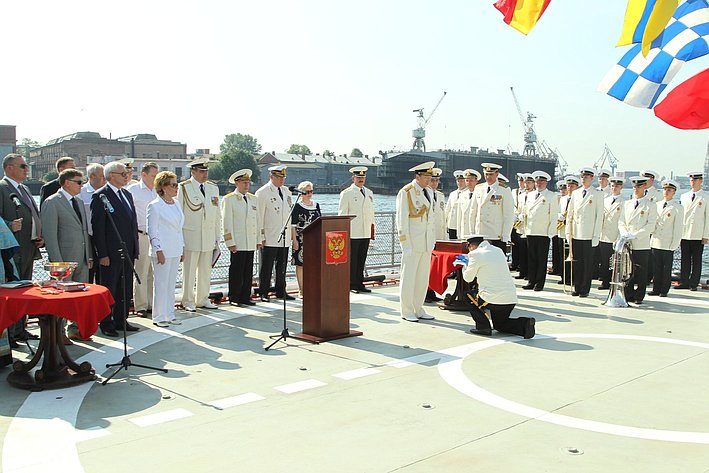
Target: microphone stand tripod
(284, 333)
(123, 251)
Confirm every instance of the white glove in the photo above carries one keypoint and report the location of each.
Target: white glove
(594, 242)
(561, 216)
(506, 239)
(618, 246)
(632, 236)
(520, 217)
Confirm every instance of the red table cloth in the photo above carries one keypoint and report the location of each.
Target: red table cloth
(86, 308)
(441, 267)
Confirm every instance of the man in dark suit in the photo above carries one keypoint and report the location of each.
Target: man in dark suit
(20, 213)
(51, 188)
(115, 274)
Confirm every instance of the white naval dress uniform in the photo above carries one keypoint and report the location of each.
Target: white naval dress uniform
(584, 218)
(242, 229)
(665, 240)
(452, 212)
(201, 233)
(358, 201)
(440, 204)
(541, 212)
(613, 212)
(696, 230)
(466, 218)
(639, 218)
(273, 213)
(415, 222)
(493, 212)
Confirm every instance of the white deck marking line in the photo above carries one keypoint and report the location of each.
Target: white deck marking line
(81, 435)
(228, 402)
(161, 417)
(358, 373)
(452, 373)
(300, 386)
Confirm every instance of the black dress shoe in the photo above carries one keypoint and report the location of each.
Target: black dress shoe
(585, 294)
(131, 328)
(528, 286)
(663, 295)
(109, 332)
(355, 290)
(287, 297)
(653, 293)
(682, 286)
(520, 276)
(538, 288)
(486, 332)
(638, 302)
(365, 289)
(14, 344)
(560, 282)
(604, 287)
(247, 303)
(529, 328)
(693, 288)
(265, 299)
(142, 314)
(574, 293)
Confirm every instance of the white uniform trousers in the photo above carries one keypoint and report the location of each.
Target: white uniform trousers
(197, 265)
(143, 292)
(164, 289)
(414, 282)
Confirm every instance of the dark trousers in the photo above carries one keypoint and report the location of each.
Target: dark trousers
(500, 244)
(501, 321)
(556, 259)
(523, 257)
(691, 263)
(605, 272)
(358, 251)
(241, 271)
(582, 265)
(515, 249)
(636, 285)
(269, 256)
(650, 269)
(596, 268)
(94, 273)
(112, 278)
(452, 234)
(537, 257)
(566, 268)
(663, 270)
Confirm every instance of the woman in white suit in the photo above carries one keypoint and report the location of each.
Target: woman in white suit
(165, 221)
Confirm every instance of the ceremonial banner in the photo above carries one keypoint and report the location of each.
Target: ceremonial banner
(638, 80)
(645, 20)
(687, 105)
(522, 15)
(336, 247)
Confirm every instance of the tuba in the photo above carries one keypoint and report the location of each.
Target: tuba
(621, 266)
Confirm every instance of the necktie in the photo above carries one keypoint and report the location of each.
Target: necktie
(245, 199)
(362, 191)
(489, 189)
(30, 203)
(201, 189)
(613, 201)
(636, 204)
(470, 195)
(280, 193)
(537, 196)
(525, 198)
(664, 206)
(75, 204)
(124, 198)
(425, 193)
(583, 194)
(693, 196)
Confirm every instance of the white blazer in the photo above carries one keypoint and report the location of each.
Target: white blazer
(493, 211)
(613, 212)
(452, 208)
(242, 227)
(670, 223)
(352, 202)
(541, 213)
(640, 221)
(584, 216)
(415, 219)
(440, 204)
(164, 225)
(489, 264)
(273, 213)
(696, 215)
(202, 216)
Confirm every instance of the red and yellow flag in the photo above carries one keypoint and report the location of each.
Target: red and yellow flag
(522, 15)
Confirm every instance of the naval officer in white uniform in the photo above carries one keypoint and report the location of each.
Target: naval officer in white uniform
(493, 208)
(666, 238)
(541, 211)
(199, 199)
(466, 218)
(358, 200)
(274, 205)
(613, 211)
(453, 205)
(415, 223)
(696, 232)
(242, 231)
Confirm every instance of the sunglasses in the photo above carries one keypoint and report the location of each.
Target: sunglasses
(80, 182)
(22, 166)
(124, 174)
(308, 192)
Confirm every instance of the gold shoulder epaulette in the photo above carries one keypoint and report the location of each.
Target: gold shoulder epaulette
(480, 184)
(184, 183)
(408, 187)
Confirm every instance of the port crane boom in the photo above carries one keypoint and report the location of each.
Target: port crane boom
(419, 132)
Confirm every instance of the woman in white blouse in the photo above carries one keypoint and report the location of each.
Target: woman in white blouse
(165, 220)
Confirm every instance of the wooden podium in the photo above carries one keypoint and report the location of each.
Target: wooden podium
(326, 280)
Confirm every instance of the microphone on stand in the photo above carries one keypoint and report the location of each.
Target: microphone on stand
(106, 203)
(294, 190)
(15, 200)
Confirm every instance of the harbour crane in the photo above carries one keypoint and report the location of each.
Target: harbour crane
(530, 137)
(419, 132)
(607, 156)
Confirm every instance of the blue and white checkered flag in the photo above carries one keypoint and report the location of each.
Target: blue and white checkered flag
(638, 80)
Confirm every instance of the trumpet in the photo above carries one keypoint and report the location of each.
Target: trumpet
(520, 223)
(570, 260)
(561, 223)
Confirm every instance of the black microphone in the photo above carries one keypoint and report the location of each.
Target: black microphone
(15, 200)
(106, 203)
(294, 190)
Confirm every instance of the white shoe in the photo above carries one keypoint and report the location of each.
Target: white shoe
(410, 318)
(189, 307)
(425, 316)
(162, 324)
(176, 322)
(209, 305)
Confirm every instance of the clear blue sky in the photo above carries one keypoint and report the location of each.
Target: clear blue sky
(331, 75)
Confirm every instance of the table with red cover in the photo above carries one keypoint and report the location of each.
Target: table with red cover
(86, 308)
(441, 267)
